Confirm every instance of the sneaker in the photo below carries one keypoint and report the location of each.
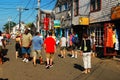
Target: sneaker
(27, 61)
(72, 56)
(51, 66)
(61, 56)
(47, 67)
(24, 60)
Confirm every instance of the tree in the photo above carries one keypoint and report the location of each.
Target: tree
(9, 25)
(32, 27)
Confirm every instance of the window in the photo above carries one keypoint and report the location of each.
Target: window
(95, 5)
(60, 8)
(65, 6)
(57, 10)
(76, 7)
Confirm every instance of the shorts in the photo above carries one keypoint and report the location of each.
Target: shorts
(74, 47)
(0, 49)
(25, 50)
(17, 47)
(62, 48)
(50, 55)
(36, 52)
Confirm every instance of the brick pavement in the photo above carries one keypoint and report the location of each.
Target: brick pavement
(63, 69)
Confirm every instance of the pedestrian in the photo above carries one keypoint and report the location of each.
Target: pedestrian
(86, 53)
(18, 46)
(26, 44)
(8, 36)
(63, 42)
(50, 48)
(53, 35)
(37, 43)
(2, 43)
(75, 42)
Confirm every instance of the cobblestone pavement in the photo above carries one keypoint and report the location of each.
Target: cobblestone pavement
(63, 69)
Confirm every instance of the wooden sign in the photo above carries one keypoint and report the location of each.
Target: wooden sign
(115, 13)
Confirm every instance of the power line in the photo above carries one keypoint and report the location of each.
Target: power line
(47, 4)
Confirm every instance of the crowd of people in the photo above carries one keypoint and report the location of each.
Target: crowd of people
(28, 45)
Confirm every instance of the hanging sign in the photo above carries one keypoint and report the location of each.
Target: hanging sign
(56, 23)
(84, 21)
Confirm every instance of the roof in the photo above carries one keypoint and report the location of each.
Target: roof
(47, 11)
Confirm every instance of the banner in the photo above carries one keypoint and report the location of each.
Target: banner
(46, 23)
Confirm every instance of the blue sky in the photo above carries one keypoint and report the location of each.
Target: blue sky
(9, 10)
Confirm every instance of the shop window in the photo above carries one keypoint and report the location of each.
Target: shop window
(99, 36)
(95, 5)
(76, 7)
(98, 33)
(105, 39)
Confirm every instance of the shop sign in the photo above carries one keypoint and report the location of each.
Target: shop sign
(115, 13)
(56, 23)
(84, 21)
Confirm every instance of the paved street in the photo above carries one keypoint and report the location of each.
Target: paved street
(63, 69)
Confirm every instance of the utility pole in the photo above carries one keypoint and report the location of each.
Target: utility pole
(20, 12)
(9, 19)
(38, 22)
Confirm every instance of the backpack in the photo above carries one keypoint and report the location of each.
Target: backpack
(75, 40)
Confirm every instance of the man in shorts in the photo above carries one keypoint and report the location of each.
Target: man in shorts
(50, 48)
(26, 44)
(37, 43)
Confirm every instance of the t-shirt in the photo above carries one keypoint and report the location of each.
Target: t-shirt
(1, 37)
(63, 42)
(26, 39)
(50, 44)
(8, 36)
(37, 42)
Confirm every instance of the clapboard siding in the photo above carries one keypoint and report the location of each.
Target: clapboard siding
(105, 12)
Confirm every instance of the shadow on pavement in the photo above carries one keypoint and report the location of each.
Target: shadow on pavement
(5, 59)
(4, 52)
(79, 67)
(3, 79)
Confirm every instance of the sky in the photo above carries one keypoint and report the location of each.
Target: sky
(9, 10)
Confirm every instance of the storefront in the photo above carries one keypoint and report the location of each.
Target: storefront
(81, 27)
(115, 18)
(105, 38)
